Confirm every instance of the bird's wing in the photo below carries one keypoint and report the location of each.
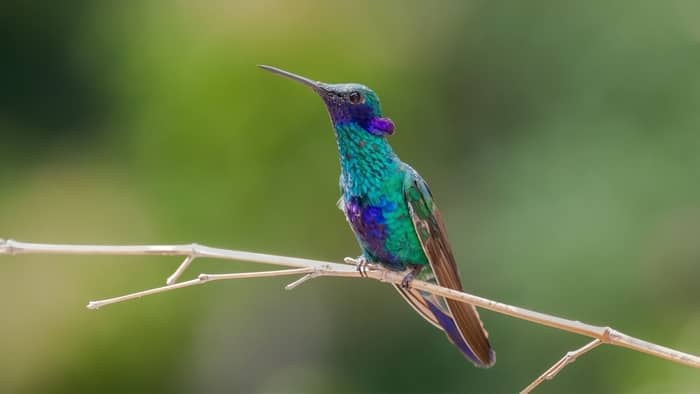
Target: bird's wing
(433, 238)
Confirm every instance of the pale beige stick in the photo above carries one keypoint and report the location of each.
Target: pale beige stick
(201, 279)
(568, 358)
(604, 334)
(179, 271)
(322, 268)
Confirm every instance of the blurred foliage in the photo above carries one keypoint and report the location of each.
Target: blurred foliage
(559, 137)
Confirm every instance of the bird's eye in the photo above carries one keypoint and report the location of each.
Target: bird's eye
(355, 97)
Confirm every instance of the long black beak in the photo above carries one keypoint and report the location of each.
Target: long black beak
(317, 86)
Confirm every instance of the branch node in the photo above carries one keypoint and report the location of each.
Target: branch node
(382, 275)
(203, 277)
(608, 332)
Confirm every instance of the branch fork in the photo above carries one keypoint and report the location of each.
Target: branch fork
(352, 268)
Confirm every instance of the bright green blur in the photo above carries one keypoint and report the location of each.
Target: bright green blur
(560, 139)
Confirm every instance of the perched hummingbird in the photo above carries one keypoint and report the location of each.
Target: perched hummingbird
(392, 213)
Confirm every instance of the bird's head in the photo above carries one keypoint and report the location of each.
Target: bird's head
(347, 103)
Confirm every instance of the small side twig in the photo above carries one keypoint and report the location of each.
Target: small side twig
(300, 281)
(314, 268)
(568, 358)
(180, 270)
(201, 279)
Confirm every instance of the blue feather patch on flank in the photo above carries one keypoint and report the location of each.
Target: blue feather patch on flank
(369, 224)
(448, 324)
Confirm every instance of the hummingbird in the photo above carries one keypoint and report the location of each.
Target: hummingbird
(392, 213)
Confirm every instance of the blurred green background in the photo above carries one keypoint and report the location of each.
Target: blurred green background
(560, 139)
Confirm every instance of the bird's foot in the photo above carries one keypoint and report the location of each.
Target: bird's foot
(410, 276)
(406, 281)
(361, 263)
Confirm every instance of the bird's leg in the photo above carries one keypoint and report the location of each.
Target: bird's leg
(361, 263)
(413, 271)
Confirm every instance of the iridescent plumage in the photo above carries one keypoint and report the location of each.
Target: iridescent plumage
(391, 211)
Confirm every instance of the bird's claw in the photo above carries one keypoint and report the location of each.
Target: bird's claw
(406, 281)
(361, 263)
(410, 276)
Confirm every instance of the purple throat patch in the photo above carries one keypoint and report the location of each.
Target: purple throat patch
(381, 126)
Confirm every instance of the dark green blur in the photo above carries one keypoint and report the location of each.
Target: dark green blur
(560, 139)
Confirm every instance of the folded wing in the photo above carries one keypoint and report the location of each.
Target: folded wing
(460, 321)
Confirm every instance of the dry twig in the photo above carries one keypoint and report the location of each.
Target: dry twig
(314, 268)
(568, 358)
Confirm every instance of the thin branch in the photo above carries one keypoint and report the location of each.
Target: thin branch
(568, 358)
(315, 268)
(179, 271)
(201, 279)
(299, 281)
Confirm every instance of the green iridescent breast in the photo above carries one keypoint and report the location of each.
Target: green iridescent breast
(372, 182)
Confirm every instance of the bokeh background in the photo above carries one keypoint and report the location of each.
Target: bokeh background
(560, 139)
